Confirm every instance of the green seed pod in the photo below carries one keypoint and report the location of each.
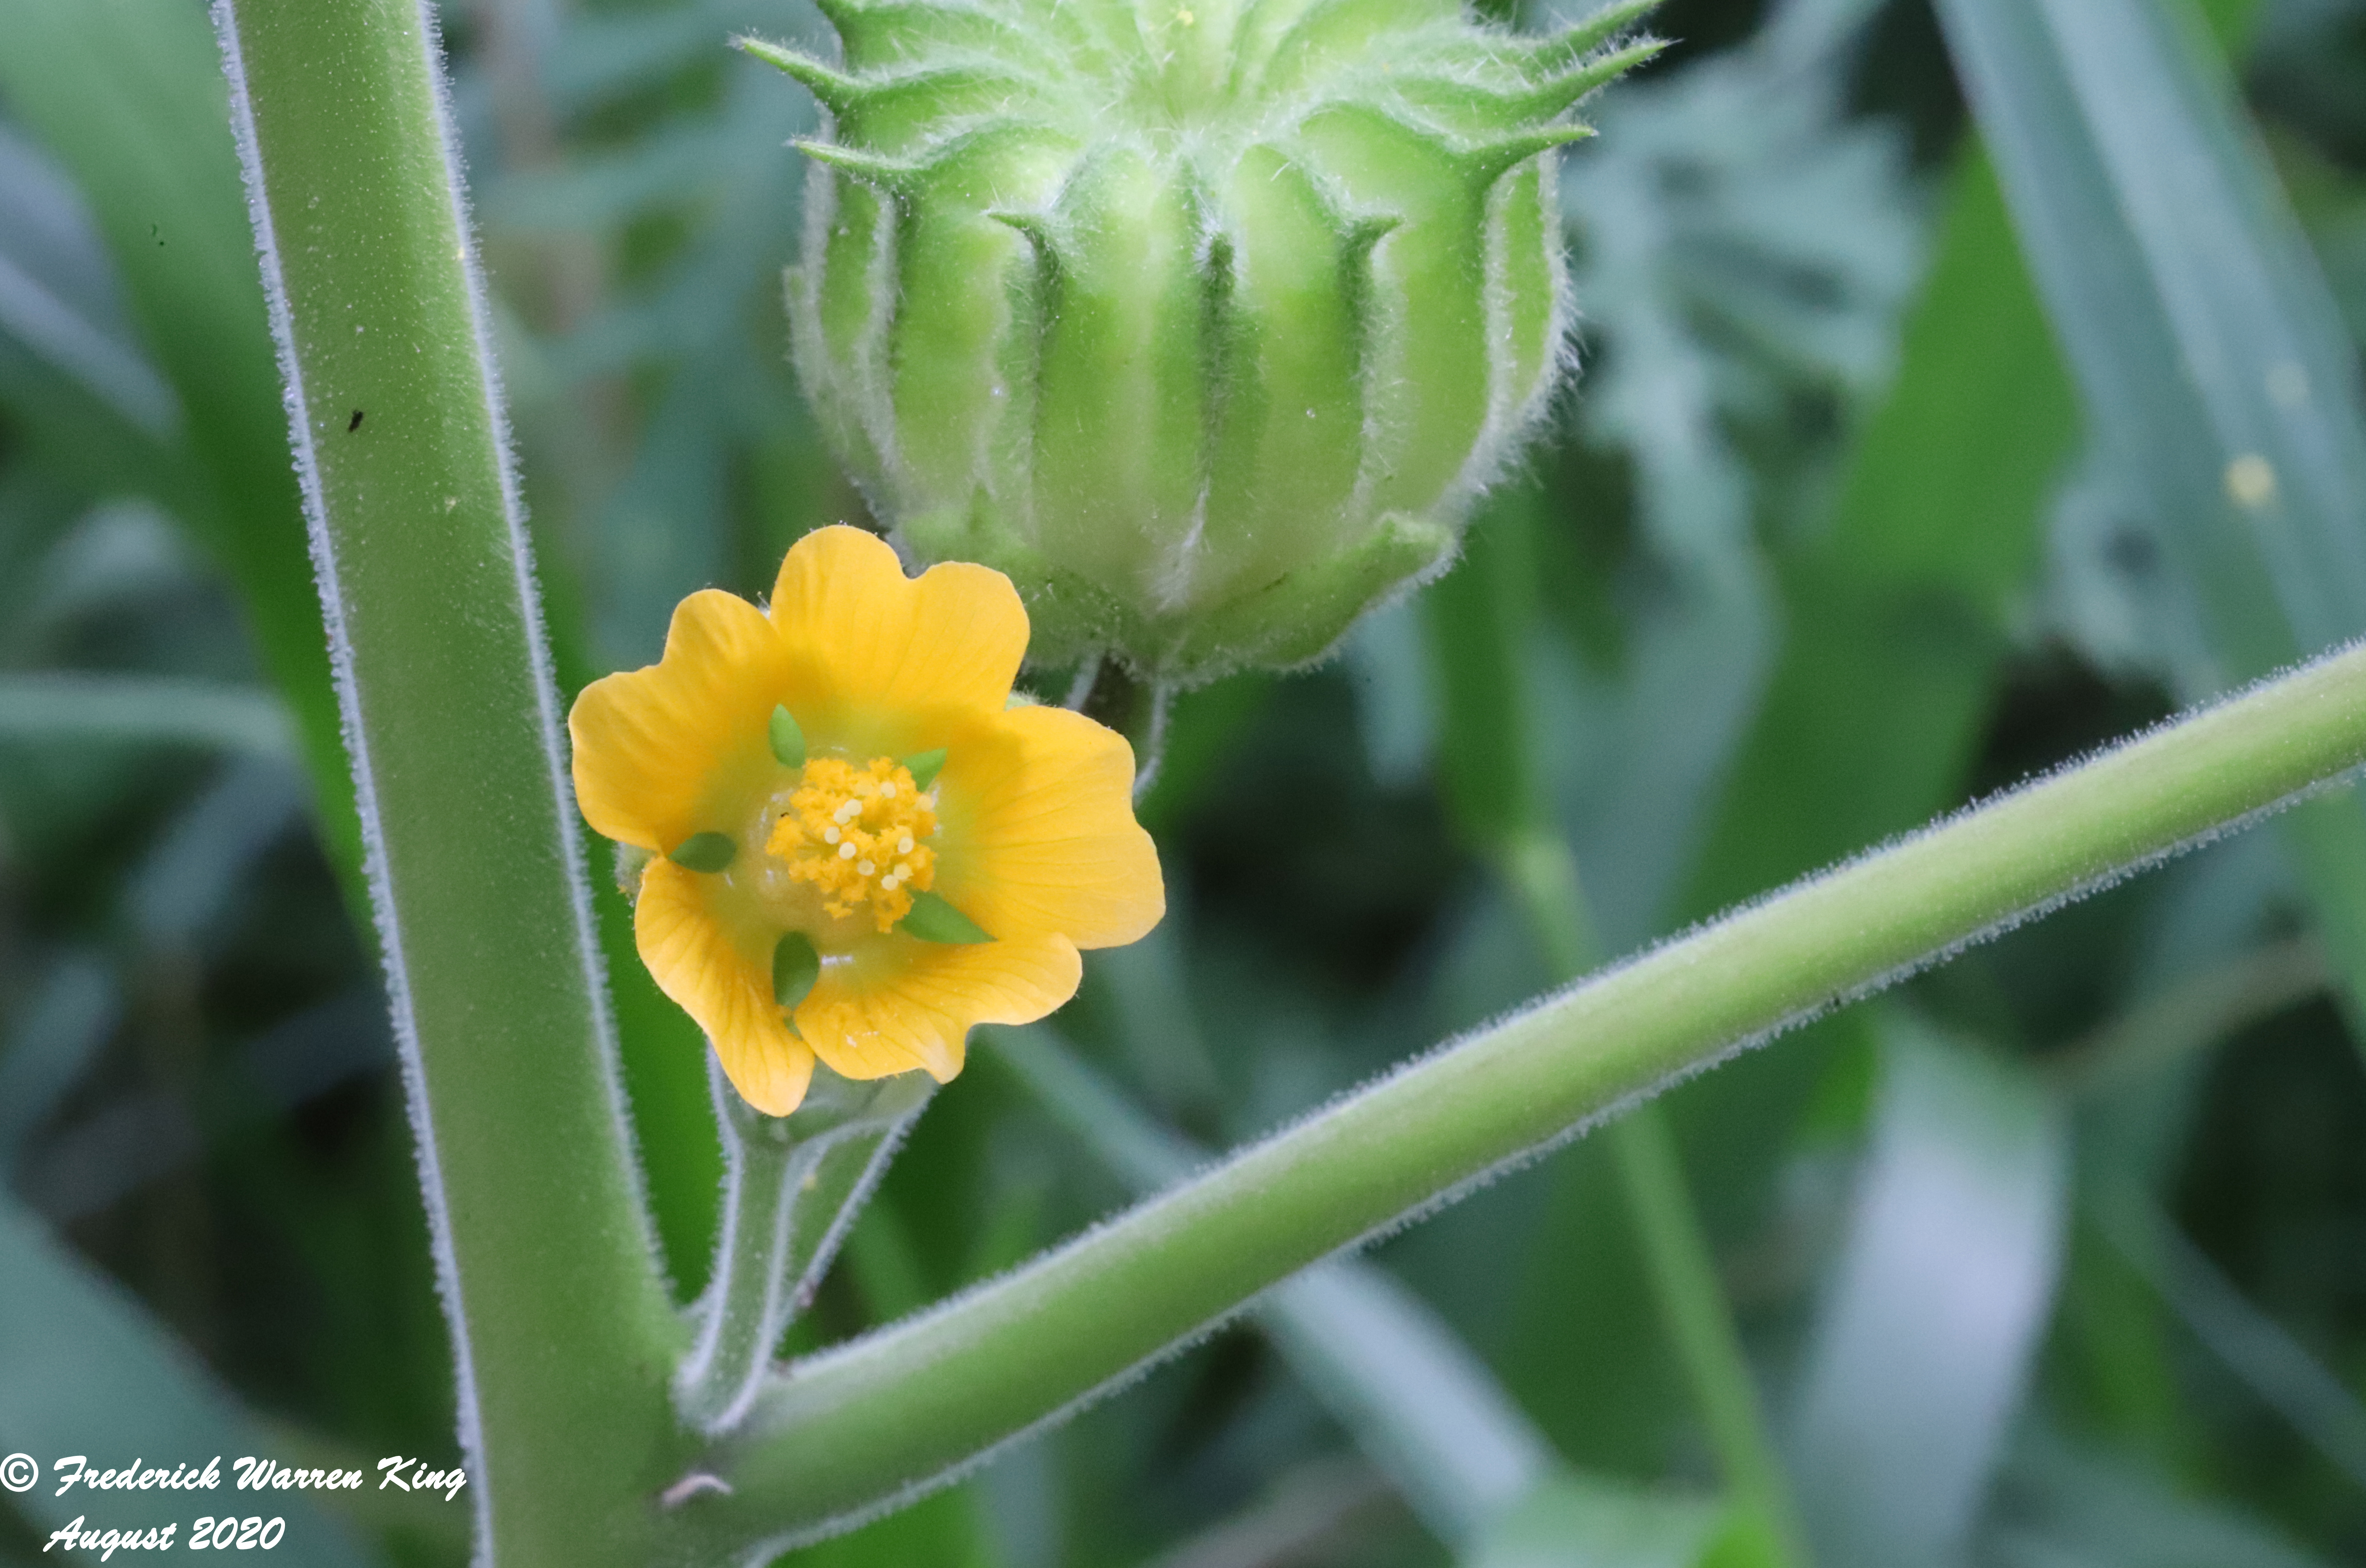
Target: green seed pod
(1202, 320)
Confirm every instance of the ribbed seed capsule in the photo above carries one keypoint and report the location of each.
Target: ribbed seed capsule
(1203, 321)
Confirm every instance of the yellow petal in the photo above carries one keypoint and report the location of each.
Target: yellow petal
(661, 751)
(868, 1020)
(695, 963)
(1039, 833)
(949, 640)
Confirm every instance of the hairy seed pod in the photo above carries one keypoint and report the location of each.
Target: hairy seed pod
(1202, 320)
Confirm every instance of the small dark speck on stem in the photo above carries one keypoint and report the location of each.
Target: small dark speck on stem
(354, 423)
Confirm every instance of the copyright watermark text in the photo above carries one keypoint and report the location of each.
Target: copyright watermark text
(21, 1472)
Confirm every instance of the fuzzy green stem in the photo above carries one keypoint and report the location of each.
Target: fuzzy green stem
(1109, 693)
(1542, 871)
(792, 1186)
(1412, 1396)
(907, 1407)
(1483, 622)
(562, 1329)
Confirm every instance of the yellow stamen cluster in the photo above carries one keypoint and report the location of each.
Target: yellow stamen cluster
(860, 836)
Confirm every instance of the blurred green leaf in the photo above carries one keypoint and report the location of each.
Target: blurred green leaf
(142, 711)
(2212, 360)
(118, 558)
(2199, 1012)
(1896, 613)
(58, 297)
(1417, 1401)
(681, 163)
(2064, 1505)
(1301, 1513)
(90, 1373)
(179, 895)
(1943, 1291)
(91, 1164)
(1201, 727)
(1395, 710)
(1482, 629)
(664, 528)
(1569, 1522)
(1740, 245)
(50, 1044)
(127, 95)
(2274, 1364)
(589, 58)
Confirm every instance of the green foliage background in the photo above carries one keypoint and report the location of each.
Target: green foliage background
(2054, 1257)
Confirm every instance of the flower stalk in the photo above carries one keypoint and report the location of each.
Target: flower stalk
(1109, 693)
(792, 1186)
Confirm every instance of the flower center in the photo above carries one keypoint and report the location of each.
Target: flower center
(858, 836)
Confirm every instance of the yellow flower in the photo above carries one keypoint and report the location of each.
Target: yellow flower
(847, 770)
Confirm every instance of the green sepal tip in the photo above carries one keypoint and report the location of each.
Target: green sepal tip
(788, 739)
(705, 852)
(795, 967)
(1557, 54)
(925, 766)
(1491, 163)
(934, 920)
(1023, 262)
(889, 173)
(834, 88)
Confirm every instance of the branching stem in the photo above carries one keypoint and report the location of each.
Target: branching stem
(914, 1403)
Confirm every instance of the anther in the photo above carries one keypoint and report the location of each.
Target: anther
(904, 845)
(830, 836)
(846, 852)
(865, 866)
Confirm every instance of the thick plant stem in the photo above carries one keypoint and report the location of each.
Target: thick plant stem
(1542, 871)
(1484, 623)
(910, 1405)
(561, 1325)
(793, 1185)
(1414, 1397)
